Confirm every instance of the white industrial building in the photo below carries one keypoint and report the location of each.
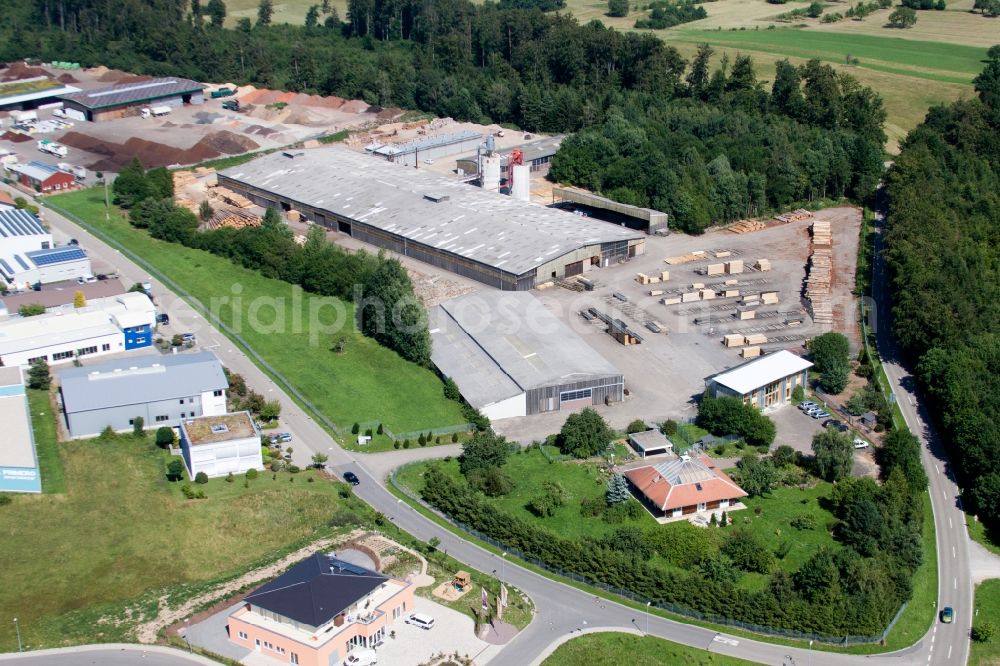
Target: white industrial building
(103, 326)
(763, 382)
(162, 389)
(510, 356)
(218, 445)
(19, 472)
(28, 255)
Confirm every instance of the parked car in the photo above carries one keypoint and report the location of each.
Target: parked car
(163, 319)
(820, 414)
(420, 620)
(284, 437)
(806, 404)
(86, 279)
(860, 443)
(361, 657)
(188, 337)
(839, 426)
(73, 241)
(947, 615)
(352, 478)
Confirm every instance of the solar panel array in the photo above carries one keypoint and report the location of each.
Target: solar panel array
(19, 223)
(57, 256)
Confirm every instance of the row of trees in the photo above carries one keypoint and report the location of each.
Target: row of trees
(837, 591)
(390, 311)
(729, 416)
(943, 222)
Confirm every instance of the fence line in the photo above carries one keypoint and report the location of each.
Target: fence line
(628, 594)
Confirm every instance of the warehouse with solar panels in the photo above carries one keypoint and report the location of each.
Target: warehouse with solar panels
(497, 240)
(122, 100)
(27, 256)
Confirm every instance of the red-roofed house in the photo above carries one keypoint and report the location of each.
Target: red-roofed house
(683, 486)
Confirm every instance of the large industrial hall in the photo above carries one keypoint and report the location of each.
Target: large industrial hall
(510, 356)
(501, 241)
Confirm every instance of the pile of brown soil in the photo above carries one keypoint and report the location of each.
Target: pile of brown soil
(16, 137)
(19, 70)
(68, 78)
(354, 106)
(153, 154)
(229, 143)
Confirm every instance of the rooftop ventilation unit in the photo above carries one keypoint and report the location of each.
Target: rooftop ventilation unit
(220, 428)
(697, 486)
(437, 198)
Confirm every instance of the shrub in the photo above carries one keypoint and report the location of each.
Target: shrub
(783, 549)
(669, 427)
(798, 393)
(491, 481)
(748, 551)
(591, 507)
(783, 455)
(396, 445)
(584, 434)
(355, 429)
(727, 415)
(251, 474)
(637, 425)
(423, 443)
(983, 632)
(484, 450)
(201, 477)
(164, 437)
(175, 470)
(806, 521)
(380, 430)
(451, 391)
(454, 438)
(369, 433)
(617, 491)
(137, 426)
(406, 443)
(5, 499)
(230, 478)
(623, 512)
(294, 469)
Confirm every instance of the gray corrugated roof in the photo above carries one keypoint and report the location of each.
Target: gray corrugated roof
(19, 223)
(133, 92)
(426, 144)
(140, 379)
(497, 344)
(650, 440)
(36, 170)
(491, 229)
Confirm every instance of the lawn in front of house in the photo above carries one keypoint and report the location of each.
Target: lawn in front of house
(91, 562)
(294, 330)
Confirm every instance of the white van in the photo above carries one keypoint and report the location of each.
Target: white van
(361, 657)
(420, 620)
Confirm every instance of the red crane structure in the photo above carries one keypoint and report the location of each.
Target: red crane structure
(516, 158)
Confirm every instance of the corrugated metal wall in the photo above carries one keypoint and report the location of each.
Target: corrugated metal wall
(604, 388)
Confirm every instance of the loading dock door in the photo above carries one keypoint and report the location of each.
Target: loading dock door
(575, 268)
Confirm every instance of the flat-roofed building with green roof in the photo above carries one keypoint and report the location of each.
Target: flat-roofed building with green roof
(119, 101)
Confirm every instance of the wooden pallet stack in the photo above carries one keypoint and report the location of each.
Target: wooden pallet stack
(819, 280)
(747, 226)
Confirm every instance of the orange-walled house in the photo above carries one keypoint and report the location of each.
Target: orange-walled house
(318, 611)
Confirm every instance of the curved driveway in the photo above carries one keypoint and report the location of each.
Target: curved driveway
(562, 609)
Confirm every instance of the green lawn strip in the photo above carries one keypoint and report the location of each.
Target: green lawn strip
(982, 535)
(43, 426)
(938, 59)
(987, 609)
(91, 563)
(396, 482)
(608, 649)
(365, 382)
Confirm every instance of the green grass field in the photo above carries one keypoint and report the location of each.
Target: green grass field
(43, 426)
(613, 649)
(582, 480)
(364, 383)
(88, 563)
(989, 539)
(988, 608)
(935, 61)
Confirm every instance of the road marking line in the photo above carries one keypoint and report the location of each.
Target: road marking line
(950, 525)
(953, 552)
(949, 652)
(956, 583)
(944, 494)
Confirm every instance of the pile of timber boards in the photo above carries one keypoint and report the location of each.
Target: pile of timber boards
(819, 280)
(235, 219)
(747, 226)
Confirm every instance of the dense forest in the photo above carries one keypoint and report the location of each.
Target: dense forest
(704, 141)
(943, 251)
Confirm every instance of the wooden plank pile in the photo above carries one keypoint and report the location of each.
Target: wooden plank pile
(685, 258)
(819, 280)
(747, 226)
(795, 216)
(232, 218)
(229, 197)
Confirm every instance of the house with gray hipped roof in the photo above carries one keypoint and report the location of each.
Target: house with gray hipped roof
(163, 390)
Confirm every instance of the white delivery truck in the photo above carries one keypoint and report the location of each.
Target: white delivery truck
(24, 116)
(155, 111)
(52, 148)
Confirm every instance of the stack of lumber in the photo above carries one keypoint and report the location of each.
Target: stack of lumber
(795, 216)
(750, 352)
(763, 265)
(747, 226)
(204, 171)
(230, 197)
(685, 258)
(184, 202)
(182, 179)
(734, 267)
(821, 233)
(642, 278)
(719, 254)
(232, 218)
(819, 279)
(716, 269)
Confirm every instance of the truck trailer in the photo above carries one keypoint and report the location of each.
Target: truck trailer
(52, 148)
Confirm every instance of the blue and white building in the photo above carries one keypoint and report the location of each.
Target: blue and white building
(103, 326)
(19, 471)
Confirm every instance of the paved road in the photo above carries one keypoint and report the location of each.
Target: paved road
(947, 643)
(109, 655)
(564, 610)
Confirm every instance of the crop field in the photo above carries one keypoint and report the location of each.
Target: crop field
(365, 382)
